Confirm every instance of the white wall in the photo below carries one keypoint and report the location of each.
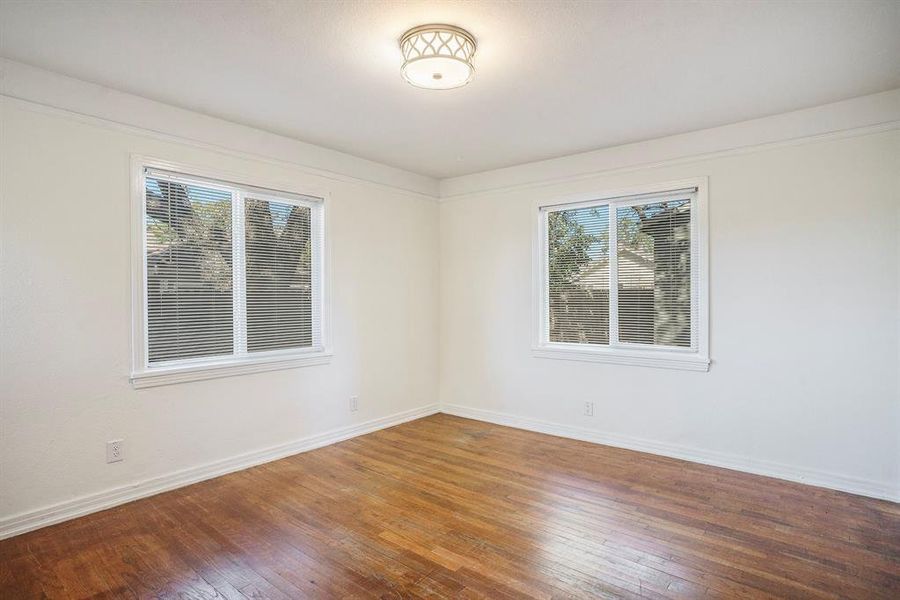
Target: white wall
(803, 303)
(64, 335)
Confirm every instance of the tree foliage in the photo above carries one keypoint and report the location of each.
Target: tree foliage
(569, 247)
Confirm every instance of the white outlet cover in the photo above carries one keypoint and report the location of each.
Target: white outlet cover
(115, 451)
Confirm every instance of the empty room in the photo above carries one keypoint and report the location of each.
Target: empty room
(398, 299)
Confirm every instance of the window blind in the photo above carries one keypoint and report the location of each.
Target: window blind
(189, 271)
(231, 271)
(279, 249)
(644, 294)
(578, 275)
(654, 273)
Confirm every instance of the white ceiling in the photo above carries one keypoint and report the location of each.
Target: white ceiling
(553, 78)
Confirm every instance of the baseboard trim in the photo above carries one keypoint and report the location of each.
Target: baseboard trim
(85, 505)
(861, 487)
(71, 509)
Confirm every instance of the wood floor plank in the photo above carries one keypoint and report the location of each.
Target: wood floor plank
(445, 507)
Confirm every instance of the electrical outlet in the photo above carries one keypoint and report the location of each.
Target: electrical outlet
(115, 451)
(589, 409)
(354, 403)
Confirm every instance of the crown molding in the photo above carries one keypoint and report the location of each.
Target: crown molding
(858, 116)
(40, 90)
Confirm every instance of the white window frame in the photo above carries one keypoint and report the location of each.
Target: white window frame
(695, 358)
(143, 374)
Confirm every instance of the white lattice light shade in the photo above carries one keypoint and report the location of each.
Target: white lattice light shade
(437, 57)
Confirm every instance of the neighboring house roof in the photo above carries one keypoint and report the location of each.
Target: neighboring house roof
(637, 263)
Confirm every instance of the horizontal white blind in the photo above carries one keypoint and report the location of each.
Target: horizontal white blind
(578, 275)
(232, 271)
(281, 242)
(644, 293)
(655, 291)
(189, 271)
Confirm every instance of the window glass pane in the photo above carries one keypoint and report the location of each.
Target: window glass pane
(578, 275)
(189, 287)
(654, 272)
(279, 253)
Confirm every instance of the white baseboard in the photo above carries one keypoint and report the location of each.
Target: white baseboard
(64, 511)
(78, 507)
(862, 487)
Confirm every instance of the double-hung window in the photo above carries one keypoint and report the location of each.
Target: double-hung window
(230, 278)
(622, 277)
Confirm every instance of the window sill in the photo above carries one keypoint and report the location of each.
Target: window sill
(640, 358)
(185, 373)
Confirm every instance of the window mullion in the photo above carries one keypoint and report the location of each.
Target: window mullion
(613, 276)
(239, 273)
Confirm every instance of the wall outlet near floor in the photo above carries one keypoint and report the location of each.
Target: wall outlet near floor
(354, 403)
(115, 451)
(589, 409)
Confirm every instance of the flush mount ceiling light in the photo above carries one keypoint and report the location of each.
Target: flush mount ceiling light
(437, 57)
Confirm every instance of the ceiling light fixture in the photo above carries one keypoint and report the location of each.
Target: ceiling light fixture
(437, 57)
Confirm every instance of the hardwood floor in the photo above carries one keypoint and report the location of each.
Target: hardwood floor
(445, 507)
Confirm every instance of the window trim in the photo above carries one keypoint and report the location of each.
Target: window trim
(623, 353)
(142, 374)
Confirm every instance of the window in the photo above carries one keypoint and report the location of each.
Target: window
(230, 279)
(622, 278)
